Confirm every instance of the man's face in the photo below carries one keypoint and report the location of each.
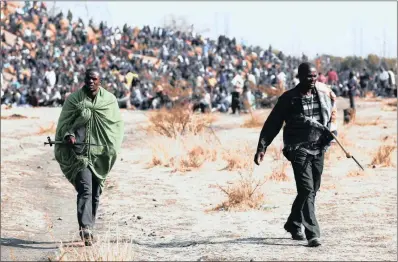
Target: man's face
(308, 78)
(92, 81)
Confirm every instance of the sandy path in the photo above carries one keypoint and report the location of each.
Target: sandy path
(358, 215)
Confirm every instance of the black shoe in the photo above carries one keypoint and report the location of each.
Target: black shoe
(86, 236)
(314, 242)
(296, 233)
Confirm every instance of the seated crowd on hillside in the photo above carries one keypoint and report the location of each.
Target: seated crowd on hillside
(44, 59)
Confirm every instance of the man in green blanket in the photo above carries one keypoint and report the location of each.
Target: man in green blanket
(90, 116)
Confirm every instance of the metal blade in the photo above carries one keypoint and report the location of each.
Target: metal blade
(358, 163)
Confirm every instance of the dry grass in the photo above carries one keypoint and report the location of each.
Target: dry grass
(13, 117)
(374, 122)
(253, 121)
(47, 130)
(383, 156)
(276, 153)
(244, 194)
(238, 159)
(356, 173)
(183, 153)
(390, 105)
(178, 121)
(102, 250)
(279, 173)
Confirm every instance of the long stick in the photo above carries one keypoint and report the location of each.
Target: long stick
(348, 155)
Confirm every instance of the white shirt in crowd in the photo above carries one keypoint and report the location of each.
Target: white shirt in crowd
(51, 77)
(383, 76)
(282, 77)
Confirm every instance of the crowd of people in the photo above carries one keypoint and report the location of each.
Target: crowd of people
(145, 68)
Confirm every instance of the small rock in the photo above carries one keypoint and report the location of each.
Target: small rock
(162, 237)
(125, 222)
(374, 166)
(154, 200)
(139, 217)
(40, 167)
(121, 159)
(156, 205)
(113, 213)
(60, 218)
(26, 225)
(251, 260)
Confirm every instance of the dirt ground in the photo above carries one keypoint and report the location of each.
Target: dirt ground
(166, 214)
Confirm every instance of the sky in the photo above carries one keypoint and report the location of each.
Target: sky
(335, 28)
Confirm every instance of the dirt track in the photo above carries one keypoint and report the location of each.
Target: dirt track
(357, 215)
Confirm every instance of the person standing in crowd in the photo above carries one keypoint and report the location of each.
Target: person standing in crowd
(309, 113)
(392, 83)
(90, 115)
(352, 89)
(364, 81)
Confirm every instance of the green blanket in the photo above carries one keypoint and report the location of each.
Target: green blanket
(104, 126)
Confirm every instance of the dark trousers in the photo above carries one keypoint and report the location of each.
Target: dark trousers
(351, 96)
(235, 103)
(88, 194)
(307, 173)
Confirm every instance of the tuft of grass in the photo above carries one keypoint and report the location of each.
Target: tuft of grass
(383, 156)
(276, 153)
(374, 122)
(178, 121)
(104, 249)
(51, 129)
(238, 159)
(279, 173)
(254, 121)
(356, 173)
(13, 117)
(244, 194)
(183, 153)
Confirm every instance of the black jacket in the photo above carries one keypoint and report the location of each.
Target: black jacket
(298, 129)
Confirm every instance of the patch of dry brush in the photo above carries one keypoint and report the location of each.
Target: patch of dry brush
(238, 159)
(102, 250)
(183, 141)
(383, 156)
(279, 173)
(244, 194)
(183, 153)
(178, 121)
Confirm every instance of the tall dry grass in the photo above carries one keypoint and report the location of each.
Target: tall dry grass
(51, 129)
(182, 140)
(367, 122)
(244, 194)
(279, 172)
(183, 153)
(177, 121)
(238, 158)
(104, 249)
(253, 121)
(383, 156)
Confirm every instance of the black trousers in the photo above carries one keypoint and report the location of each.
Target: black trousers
(88, 194)
(307, 173)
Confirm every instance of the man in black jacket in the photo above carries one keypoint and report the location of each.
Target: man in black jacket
(309, 114)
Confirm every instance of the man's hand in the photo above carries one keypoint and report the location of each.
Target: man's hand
(70, 139)
(258, 158)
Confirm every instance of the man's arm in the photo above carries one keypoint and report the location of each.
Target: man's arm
(272, 125)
